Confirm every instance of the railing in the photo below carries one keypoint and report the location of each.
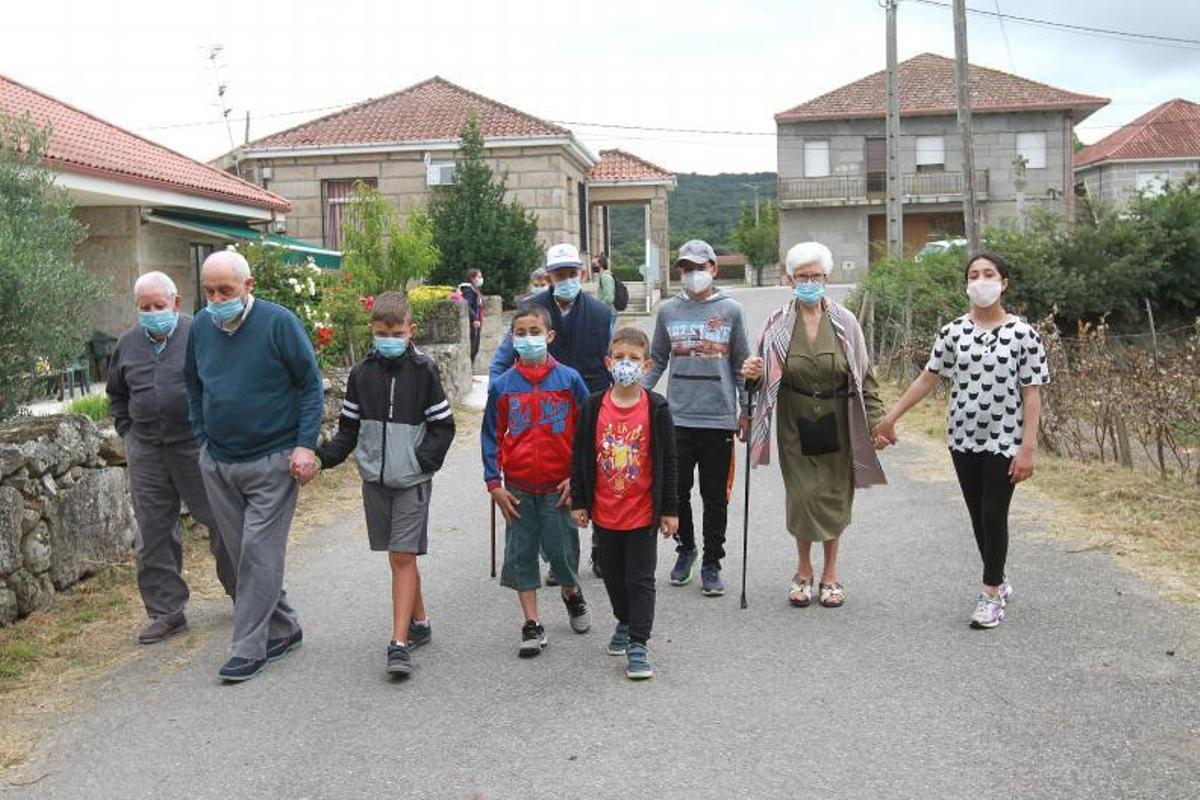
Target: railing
(869, 188)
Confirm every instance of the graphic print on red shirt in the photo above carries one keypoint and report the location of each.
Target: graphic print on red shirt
(623, 499)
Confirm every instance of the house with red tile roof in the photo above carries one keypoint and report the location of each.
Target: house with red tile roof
(146, 207)
(621, 178)
(404, 144)
(1161, 146)
(832, 158)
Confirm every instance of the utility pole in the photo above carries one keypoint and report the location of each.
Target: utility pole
(970, 220)
(894, 189)
(754, 188)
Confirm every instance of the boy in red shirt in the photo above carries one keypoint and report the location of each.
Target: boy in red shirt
(624, 476)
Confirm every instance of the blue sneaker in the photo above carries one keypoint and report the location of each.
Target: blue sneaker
(638, 667)
(419, 634)
(619, 641)
(682, 572)
(710, 581)
(239, 669)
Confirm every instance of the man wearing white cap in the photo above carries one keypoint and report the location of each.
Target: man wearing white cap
(700, 337)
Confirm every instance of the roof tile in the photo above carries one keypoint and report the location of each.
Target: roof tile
(1170, 130)
(618, 165)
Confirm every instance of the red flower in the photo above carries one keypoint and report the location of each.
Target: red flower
(324, 336)
(368, 303)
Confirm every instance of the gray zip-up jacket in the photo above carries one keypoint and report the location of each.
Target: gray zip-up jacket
(703, 344)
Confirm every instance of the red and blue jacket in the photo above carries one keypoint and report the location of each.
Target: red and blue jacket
(529, 426)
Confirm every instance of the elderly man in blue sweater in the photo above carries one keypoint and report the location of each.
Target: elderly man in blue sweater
(255, 400)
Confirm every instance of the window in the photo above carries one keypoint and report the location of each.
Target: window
(336, 196)
(439, 173)
(1151, 183)
(816, 158)
(931, 153)
(1032, 147)
(199, 252)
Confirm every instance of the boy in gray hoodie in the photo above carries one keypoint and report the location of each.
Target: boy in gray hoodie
(700, 337)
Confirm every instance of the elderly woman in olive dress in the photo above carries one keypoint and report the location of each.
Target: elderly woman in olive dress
(812, 363)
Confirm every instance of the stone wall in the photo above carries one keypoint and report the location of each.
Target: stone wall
(64, 508)
(444, 336)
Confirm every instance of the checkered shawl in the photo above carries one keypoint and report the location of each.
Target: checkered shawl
(773, 348)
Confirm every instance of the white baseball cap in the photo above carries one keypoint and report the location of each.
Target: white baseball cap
(562, 256)
(696, 251)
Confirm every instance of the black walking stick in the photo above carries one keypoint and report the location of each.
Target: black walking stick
(493, 538)
(746, 503)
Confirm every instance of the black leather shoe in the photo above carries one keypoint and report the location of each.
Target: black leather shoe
(162, 627)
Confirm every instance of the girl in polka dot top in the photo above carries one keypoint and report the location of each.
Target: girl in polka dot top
(996, 364)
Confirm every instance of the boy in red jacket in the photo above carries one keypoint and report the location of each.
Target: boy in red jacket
(528, 429)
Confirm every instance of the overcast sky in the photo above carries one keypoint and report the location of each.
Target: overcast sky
(650, 63)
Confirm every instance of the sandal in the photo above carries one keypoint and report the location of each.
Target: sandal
(800, 595)
(832, 595)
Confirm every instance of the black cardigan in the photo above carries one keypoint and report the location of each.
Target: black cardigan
(664, 467)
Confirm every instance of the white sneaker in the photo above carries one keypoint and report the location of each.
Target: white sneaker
(1006, 591)
(989, 612)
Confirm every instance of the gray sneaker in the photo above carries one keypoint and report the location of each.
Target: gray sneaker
(399, 660)
(419, 634)
(577, 610)
(710, 581)
(638, 667)
(989, 612)
(681, 573)
(533, 640)
(619, 641)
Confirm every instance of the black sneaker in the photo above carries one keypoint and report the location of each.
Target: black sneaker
(577, 610)
(596, 569)
(552, 578)
(238, 669)
(399, 660)
(533, 640)
(278, 648)
(419, 634)
(681, 573)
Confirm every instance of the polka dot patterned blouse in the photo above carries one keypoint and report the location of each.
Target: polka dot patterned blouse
(987, 369)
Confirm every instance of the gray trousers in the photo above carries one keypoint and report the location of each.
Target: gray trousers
(254, 502)
(160, 477)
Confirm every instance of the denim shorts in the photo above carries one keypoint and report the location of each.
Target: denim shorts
(542, 525)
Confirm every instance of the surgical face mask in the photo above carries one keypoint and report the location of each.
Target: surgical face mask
(626, 372)
(568, 289)
(984, 293)
(697, 281)
(479, 282)
(530, 348)
(227, 310)
(809, 293)
(159, 323)
(390, 346)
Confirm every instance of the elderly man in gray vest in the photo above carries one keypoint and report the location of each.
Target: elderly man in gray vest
(255, 398)
(148, 398)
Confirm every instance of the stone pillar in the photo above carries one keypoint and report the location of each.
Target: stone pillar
(657, 232)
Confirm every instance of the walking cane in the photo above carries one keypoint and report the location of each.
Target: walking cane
(493, 538)
(746, 503)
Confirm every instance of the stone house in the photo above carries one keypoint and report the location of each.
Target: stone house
(832, 158)
(1159, 147)
(145, 207)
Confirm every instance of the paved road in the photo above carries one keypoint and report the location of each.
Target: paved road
(892, 696)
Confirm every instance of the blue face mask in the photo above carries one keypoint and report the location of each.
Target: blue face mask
(227, 310)
(809, 293)
(390, 346)
(568, 289)
(530, 348)
(159, 323)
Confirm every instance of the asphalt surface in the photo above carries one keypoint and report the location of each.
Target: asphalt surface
(891, 696)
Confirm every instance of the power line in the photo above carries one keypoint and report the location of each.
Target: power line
(1147, 38)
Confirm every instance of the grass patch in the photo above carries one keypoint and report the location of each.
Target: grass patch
(91, 405)
(1133, 514)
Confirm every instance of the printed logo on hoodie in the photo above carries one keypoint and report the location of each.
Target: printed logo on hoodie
(695, 339)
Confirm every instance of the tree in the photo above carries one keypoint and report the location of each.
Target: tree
(45, 294)
(473, 227)
(758, 240)
(379, 252)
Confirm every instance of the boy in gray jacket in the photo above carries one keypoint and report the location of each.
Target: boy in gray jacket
(700, 337)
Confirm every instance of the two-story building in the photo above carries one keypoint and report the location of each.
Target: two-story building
(832, 158)
(1161, 146)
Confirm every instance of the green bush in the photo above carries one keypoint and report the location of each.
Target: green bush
(91, 405)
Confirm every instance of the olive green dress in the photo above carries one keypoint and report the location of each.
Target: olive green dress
(820, 489)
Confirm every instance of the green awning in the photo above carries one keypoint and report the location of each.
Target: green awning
(297, 251)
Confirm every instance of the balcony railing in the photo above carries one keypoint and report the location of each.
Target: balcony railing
(870, 187)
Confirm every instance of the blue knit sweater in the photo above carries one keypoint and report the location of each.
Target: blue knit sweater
(255, 391)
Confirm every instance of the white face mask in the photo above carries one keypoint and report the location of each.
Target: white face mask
(984, 293)
(479, 282)
(697, 281)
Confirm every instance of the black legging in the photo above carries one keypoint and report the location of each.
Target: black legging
(988, 489)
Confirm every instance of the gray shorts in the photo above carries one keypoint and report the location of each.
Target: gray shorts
(397, 519)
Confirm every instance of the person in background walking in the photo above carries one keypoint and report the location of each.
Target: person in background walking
(607, 284)
(700, 336)
(996, 364)
(255, 400)
(148, 397)
(397, 420)
(623, 478)
(812, 362)
(471, 290)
